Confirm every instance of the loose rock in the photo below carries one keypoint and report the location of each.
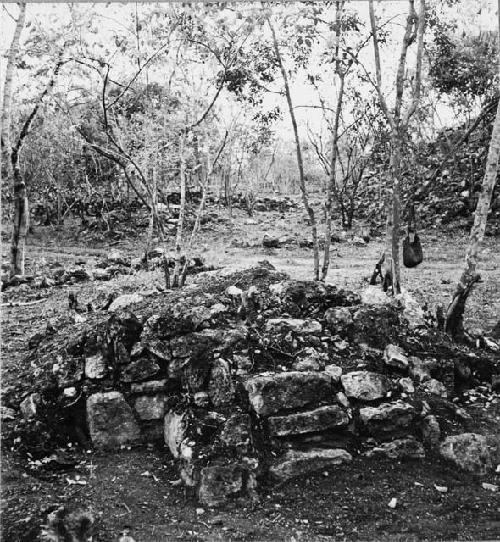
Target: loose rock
(175, 427)
(111, 421)
(150, 407)
(320, 419)
(435, 387)
(201, 399)
(365, 385)
(431, 431)
(153, 386)
(407, 448)
(124, 301)
(406, 385)
(310, 360)
(394, 356)
(236, 431)
(338, 318)
(420, 370)
(140, 369)
(29, 406)
(296, 463)
(95, 366)
(469, 451)
(220, 482)
(220, 386)
(304, 327)
(268, 394)
(387, 417)
(335, 372)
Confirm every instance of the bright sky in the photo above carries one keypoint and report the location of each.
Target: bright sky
(478, 15)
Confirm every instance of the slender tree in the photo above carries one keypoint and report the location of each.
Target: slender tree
(332, 182)
(17, 264)
(398, 123)
(9, 78)
(182, 213)
(298, 149)
(455, 312)
(21, 208)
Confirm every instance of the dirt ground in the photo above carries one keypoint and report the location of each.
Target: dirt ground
(137, 487)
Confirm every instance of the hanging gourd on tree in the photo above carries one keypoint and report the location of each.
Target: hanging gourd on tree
(412, 247)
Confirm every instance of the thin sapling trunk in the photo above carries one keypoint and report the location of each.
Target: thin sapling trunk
(300, 163)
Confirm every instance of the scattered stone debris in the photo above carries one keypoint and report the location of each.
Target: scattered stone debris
(112, 265)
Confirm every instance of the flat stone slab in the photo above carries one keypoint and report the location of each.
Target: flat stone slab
(296, 463)
(387, 417)
(269, 394)
(365, 385)
(319, 419)
(124, 301)
(305, 326)
(111, 420)
(153, 386)
(404, 448)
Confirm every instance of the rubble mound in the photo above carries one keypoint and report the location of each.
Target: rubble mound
(250, 377)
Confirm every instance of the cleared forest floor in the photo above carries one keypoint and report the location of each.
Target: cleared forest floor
(135, 486)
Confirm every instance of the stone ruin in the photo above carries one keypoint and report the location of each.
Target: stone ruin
(254, 377)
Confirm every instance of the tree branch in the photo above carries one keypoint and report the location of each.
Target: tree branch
(378, 69)
(418, 64)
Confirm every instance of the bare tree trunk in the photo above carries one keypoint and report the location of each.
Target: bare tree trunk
(229, 195)
(454, 320)
(392, 277)
(21, 218)
(194, 233)
(332, 182)
(455, 311)
(154, 221)
(333, 167)
(182, 213)
(300, 163)
(9, 77)
(21, 209)
(201, 207)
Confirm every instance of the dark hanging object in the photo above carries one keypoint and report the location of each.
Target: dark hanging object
(412, 248)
